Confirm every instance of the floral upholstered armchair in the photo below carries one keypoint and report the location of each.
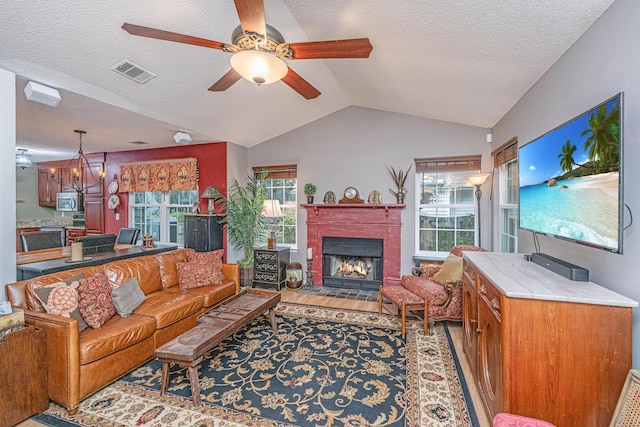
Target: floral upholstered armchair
(441, 285)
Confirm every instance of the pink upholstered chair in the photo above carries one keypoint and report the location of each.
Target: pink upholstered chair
(509, 420)
(444, 299)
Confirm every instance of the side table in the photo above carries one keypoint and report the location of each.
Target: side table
(270, 267)
(23, 389)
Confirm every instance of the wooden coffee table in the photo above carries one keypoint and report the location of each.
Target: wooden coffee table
(189, 348)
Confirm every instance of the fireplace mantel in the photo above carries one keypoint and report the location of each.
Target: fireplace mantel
(377, 221)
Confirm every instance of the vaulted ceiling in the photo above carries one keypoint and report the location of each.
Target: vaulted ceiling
(461, 61)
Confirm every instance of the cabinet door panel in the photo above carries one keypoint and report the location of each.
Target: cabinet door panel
(91, 174)
(470, 324)
(47, 188)
(490, 359)
(93, 216)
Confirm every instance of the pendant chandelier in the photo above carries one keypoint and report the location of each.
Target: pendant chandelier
(23, 160)
(78, 166)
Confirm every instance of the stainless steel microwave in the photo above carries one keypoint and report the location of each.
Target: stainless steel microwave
(68, 201)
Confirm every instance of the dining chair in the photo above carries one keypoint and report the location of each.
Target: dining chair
(128, 236)
(35, 240)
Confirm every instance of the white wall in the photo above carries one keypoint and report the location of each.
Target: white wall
(7, 175)
(237, 161)
(351, 148)
(603, 62)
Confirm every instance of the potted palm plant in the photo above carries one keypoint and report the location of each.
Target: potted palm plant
(242, 217)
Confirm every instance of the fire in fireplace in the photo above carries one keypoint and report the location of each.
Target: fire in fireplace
(353, 263)
(353, 267)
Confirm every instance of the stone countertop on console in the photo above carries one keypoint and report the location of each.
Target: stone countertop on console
(517, 278)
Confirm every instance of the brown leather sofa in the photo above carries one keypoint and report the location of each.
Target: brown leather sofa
(80, 363)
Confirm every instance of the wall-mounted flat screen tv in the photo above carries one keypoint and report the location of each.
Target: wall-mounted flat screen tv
(570, 179)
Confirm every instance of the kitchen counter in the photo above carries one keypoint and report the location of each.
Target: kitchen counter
(517, 278)
(45, 222)
(34, 269)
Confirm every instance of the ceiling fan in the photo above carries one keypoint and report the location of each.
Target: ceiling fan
(260, 50)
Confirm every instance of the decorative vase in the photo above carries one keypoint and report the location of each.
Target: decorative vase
(310, 199)
(400, 196)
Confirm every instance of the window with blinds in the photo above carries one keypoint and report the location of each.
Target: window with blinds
(445, 203)
(505, 159)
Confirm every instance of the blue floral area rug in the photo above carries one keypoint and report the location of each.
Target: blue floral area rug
(324, 367)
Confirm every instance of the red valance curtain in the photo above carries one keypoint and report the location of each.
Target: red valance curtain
(159, 175)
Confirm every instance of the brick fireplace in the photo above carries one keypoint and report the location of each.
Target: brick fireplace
(366, 221)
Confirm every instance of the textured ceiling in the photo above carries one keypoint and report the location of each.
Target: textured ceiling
(461, 61)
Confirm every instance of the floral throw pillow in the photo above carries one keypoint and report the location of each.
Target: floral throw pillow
(95, 303)
(196, 274)
(214, 259)
(61, 298)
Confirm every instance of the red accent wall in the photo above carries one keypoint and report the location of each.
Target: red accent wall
(356, 220)
(212, 166)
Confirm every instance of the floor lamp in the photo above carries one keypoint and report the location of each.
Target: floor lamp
(271, 209)
(477, 180)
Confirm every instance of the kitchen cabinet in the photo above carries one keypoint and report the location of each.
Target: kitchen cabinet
(47, 187)
(91, 173)
(203, 232)
(541, 345)
(94, 216)
(57, 176)
(270, 267)
(72, 233)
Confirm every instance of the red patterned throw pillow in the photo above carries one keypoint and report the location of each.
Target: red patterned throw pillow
(197, 274)
(213, 259)
(95, 303)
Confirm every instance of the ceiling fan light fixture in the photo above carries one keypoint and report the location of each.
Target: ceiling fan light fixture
(259, 67)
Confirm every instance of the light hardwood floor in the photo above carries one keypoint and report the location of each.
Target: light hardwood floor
(454, 328)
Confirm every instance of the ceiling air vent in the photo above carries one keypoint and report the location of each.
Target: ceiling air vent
(133, 71)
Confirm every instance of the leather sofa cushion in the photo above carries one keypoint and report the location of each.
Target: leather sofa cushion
(113, 336)
(144, 268)
(213, 294)
(167, 263)
(167, 308)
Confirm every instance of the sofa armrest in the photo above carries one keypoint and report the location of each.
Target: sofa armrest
(232, 271)
(63, 355)
(426, 271)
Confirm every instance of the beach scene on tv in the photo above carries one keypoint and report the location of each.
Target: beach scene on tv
(569, 179)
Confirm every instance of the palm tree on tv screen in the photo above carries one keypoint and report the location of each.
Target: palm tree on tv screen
(566, 157)
(602, 144)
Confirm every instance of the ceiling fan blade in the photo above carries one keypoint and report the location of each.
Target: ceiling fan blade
(226, 81)
(153, 33)
(251, 14)
(300, 85)
(350, 48)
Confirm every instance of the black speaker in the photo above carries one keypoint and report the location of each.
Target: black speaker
(563, 268)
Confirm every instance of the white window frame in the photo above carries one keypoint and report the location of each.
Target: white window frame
(440, 255)
(506, 205)
(290, 206)
(163, 216)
